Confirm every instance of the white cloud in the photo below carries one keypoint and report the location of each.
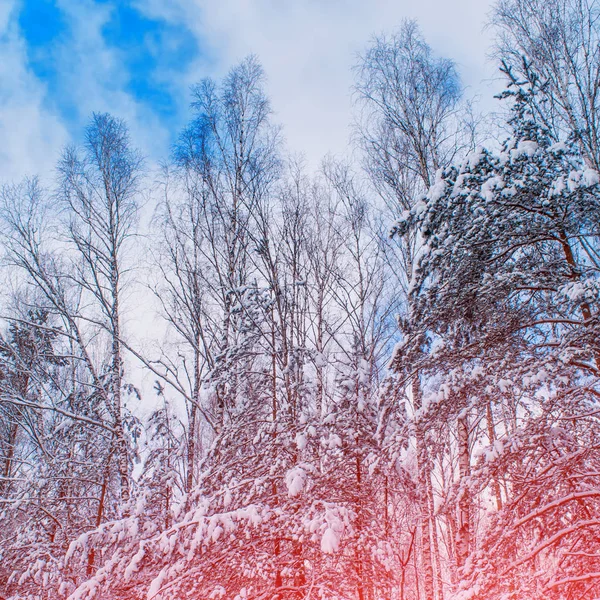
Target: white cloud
(308, 49)
(96, 78)
(30, 132)
(91, 77)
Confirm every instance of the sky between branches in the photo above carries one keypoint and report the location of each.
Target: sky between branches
(63, 59)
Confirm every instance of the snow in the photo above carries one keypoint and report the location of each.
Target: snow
(525, 148)
(505, 385)
(558, 187)
(300, 441)
(586, 179)
(491, 453)
(156, 584)
(490, 186)
(330, 542)
(216, 533)
(334, 441)
(590, 177)
(320, 360)
(474, 158)
(558, 147)
(294, 480)
(134, 565)
(218, 592)
(86, 590)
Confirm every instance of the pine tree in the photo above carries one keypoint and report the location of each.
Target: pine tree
(504, 304)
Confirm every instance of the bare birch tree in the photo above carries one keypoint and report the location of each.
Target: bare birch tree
(409, 127)
(558, 43)
(99, 185)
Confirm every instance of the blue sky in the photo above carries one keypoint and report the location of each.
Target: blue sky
(146, 48)
(63, 59)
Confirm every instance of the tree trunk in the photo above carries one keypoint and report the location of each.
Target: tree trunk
(423, 474)
(192, 426)
(120, 438)
(492, 437)
(586, 309)
(463, 534)
(8, 461)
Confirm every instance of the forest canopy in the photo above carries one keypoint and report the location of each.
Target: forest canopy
(375, 380)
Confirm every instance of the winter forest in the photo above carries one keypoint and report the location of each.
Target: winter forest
(374, 380)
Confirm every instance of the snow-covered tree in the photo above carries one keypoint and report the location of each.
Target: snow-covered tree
(504, 318)
(557, 42)
(80, 433)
